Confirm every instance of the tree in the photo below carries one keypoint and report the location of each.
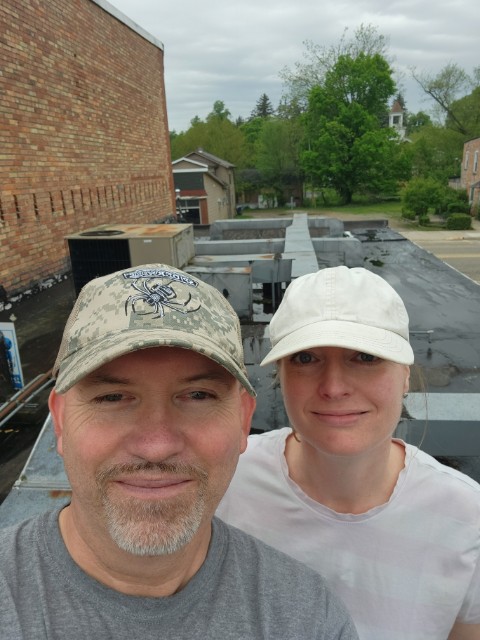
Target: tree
(319, 60)
(416, 121)
(348, 148)
(444, 89)
(251, 130)
(467, 111)
(263, 107)
(277, 157)
(219, 111)
(217, 135)
(435, 152)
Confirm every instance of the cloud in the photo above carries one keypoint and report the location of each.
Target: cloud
(234, 52)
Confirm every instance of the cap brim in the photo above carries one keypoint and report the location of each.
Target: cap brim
(348, 335)
(89, 358)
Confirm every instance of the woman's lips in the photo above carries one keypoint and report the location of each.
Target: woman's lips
(339, 418)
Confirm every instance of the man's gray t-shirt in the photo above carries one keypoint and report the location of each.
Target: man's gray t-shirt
(244, 590)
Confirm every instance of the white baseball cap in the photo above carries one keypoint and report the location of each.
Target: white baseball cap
(341, 307)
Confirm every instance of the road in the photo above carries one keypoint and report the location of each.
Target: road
(459, 249)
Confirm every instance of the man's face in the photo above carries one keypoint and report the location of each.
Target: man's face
(150, 442)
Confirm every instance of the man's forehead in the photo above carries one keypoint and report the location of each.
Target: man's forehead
(189, 365)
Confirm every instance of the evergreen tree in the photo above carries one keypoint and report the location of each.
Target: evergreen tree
(263, 108)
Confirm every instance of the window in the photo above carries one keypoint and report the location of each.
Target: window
(475, 162)
(467, 154)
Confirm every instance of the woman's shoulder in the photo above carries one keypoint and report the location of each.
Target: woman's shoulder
(440, 470)
(266, 442)
(430, 482)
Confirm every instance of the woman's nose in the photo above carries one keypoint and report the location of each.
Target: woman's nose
(334, 381)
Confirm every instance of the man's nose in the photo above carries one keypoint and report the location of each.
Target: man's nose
(157, 434)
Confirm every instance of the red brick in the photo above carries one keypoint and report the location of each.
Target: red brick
(84, 113)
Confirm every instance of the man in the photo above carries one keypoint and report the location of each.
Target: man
(151, 408)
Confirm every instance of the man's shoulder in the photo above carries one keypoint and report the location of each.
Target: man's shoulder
(296, 596)
(23, 533)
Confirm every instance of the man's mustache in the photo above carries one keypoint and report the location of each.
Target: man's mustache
(151, 469)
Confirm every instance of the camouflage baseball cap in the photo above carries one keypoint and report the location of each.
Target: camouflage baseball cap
(148, 306)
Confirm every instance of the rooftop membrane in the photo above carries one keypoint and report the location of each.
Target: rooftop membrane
(252, 262)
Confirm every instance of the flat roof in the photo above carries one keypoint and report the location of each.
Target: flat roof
(109, 8)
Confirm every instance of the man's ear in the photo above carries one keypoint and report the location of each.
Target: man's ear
(56, 403)
(248, 408)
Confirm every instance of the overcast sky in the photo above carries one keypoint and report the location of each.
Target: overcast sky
(234, 51)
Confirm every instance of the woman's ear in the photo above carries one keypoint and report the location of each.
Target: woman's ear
(406, 385)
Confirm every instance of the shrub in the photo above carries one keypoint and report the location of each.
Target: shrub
(424, 220)
(421, 194)
(458, 207)
(453, 201)
(459, 221)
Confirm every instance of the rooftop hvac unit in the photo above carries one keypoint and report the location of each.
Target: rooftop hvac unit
(235, 283)
(108, 248)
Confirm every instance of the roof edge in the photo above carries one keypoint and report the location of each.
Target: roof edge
(109, 8)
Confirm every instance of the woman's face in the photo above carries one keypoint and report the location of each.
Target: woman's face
(342, 402)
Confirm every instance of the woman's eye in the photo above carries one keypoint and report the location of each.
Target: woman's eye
(367, 357)
(302, 357)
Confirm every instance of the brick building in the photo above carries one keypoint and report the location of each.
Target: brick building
(470, 178)
(83, 130)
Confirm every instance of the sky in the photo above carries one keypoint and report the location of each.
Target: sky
(234, 51)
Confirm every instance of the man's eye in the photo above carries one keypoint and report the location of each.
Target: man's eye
(199, 395)
(110, 397)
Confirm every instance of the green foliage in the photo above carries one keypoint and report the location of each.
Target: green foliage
(219, 112)
(349, 149)
(458, 207)
(277, 155)
(454, 201)
(417, 121)
(218, 135)
(420, 195)
(467, 111)
(435, 152)
(251, 130)
(445, 88)
(459, 221)
(248, 182)
(320, 60)
(263, 108)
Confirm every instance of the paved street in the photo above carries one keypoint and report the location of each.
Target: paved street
(459, 249)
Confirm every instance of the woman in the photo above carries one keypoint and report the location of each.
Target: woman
(396, 533)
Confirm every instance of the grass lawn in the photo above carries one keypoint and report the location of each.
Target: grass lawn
(389, 209)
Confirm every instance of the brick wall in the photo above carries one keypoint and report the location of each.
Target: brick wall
(83, 132)
(470, 178)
